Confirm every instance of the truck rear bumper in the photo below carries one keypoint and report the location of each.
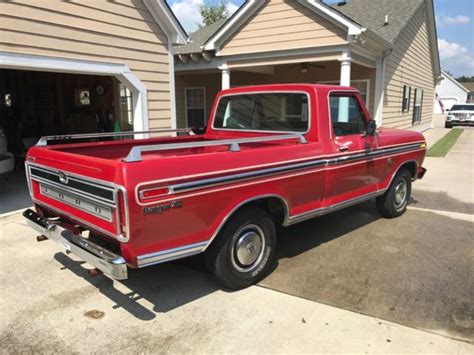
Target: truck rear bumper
(106, 261)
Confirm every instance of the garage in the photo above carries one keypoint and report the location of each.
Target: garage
(38, 103)
(81, 67)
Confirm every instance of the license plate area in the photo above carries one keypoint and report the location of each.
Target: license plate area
(92, 207)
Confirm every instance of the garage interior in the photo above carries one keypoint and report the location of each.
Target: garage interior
(36, 103)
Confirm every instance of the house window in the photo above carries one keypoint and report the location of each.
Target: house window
(470, 98)
(126, 105)
(195, 107)
(417, 106)
(295, 108)
(406, 98)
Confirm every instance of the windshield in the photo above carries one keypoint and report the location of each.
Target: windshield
(276, 112)
(462, 108)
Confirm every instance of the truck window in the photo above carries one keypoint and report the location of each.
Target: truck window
(275, 112)
(347, 116)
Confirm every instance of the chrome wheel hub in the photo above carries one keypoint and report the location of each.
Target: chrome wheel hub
(401, 191)
(248, 247)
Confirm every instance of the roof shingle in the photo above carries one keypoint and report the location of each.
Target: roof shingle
(371, 14)
(198, 38)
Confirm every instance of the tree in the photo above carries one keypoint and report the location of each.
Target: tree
(465, 79)
(212, 13)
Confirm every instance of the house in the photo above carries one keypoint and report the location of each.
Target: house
(86, 66)
(470, 94)
(450, 92)
(386, 48)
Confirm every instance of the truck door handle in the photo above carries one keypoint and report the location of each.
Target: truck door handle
(343, 148)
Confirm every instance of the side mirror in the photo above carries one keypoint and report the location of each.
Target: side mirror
(371, 128)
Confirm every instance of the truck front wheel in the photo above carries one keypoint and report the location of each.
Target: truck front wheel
(244, 250)
(394, 201)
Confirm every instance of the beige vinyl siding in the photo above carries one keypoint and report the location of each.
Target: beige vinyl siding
(410, 64)
(282, 24)
(122, 32)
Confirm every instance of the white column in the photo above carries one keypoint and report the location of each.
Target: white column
(225, 77)
(345, 80)
(379, 89)
(345, 60)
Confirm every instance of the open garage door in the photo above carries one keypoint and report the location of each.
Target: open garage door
(37, 103)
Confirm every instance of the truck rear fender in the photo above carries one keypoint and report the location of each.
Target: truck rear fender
(274, 204)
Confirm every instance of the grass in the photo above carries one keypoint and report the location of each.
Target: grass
(444, 145)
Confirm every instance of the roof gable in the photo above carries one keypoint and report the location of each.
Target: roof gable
(250, 8)
(446, 76)
(283, 25)
(166, 19)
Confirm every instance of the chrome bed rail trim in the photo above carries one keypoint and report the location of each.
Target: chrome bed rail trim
(135, 153)
(43, 141)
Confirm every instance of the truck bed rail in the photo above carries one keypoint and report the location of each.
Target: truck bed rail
(43, 141)
(135, 153)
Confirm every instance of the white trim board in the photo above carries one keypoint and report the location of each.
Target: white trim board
(18, 61)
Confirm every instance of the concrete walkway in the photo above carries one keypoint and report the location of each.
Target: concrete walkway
(50, 304)
(454, 174)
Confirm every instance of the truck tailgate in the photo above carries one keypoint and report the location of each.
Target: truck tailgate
(86, 189)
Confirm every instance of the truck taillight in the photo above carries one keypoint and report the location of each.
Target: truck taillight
(122, 213)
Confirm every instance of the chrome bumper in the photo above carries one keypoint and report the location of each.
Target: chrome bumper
(109, 263)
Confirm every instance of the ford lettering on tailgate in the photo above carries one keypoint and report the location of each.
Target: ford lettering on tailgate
(78, 202)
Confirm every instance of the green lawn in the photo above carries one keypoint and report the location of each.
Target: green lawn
(444, 145)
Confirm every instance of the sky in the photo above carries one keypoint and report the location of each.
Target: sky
(454, 20)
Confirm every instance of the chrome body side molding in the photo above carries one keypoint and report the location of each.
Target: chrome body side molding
(170, 254)
(338, 206)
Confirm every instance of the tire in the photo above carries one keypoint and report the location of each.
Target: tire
(393, 203)
(448, 125)
(244, 251)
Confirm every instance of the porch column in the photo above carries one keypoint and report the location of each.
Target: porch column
(225, 72)
(345, 60)
(379, 88)
(345, 80)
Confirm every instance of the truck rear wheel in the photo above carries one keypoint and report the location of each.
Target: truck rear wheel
(244, 251)
(394, 201)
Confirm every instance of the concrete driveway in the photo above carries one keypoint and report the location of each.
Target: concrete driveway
(347, 282)
(49, 303)
(415, 270)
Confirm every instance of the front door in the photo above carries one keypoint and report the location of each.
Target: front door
(350, 169)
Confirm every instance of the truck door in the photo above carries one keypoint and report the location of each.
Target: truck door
(350, 169)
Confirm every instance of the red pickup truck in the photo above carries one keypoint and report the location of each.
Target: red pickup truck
(270, 156)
